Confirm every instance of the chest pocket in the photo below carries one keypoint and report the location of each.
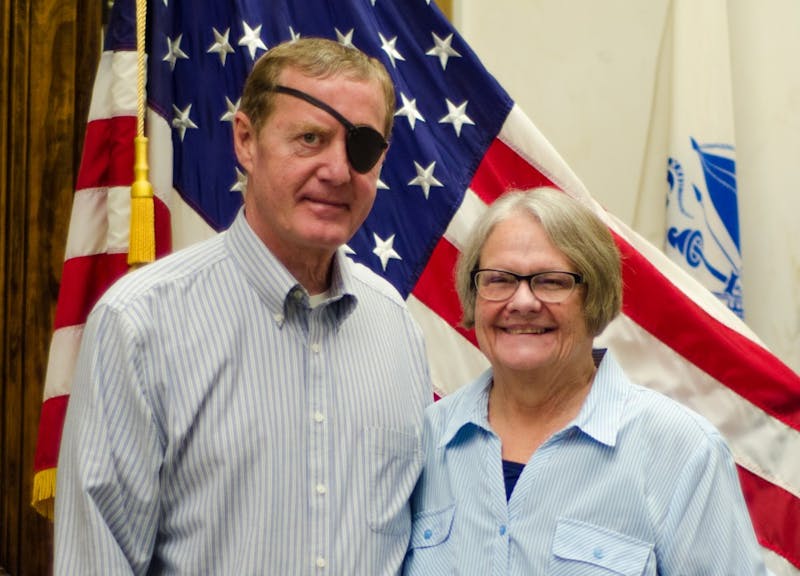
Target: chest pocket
(582, 549)
(432, 528)
(393, 464)
(431, 550)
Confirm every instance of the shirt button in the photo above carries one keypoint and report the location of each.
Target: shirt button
(321, 489)
(502, 530)
(427, 534)
(297, 294)
(278, 318)
(319, 417)
(598, 553)
(315, 348)
(321, 563)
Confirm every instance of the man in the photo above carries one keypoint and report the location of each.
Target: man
(253, 404)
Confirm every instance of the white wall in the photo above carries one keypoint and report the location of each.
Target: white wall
(585, 72)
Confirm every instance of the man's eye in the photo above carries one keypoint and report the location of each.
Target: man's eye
(310, 138)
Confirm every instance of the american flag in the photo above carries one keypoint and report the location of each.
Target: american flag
(459, 142)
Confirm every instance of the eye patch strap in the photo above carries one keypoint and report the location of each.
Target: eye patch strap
(314, 102)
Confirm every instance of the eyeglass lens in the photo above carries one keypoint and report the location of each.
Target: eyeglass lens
(364, 144)
(546, 286)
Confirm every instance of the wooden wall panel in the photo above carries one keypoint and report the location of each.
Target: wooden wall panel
(48, 54)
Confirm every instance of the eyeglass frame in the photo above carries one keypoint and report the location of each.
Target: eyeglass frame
(529, 278)
(353, 130)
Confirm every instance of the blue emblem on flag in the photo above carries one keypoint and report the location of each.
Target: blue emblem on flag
(703, 221)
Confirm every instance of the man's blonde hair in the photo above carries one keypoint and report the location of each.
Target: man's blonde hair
(316, 58)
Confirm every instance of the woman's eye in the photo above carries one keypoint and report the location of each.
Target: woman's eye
(500, 279)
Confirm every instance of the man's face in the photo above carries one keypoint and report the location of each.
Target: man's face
(303, 197)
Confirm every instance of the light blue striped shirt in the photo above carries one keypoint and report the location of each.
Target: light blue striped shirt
(220, 425)
(635, 485)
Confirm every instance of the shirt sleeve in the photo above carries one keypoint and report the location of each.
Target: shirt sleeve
(107, 492)
(707, 528)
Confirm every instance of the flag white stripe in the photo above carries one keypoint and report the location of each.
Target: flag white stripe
(114, 92)
(778, 564)
(453, 359)
(87, 224)
(119, 219)
(464, 219)
(61, 360)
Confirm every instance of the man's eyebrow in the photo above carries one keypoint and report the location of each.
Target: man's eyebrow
(302, 126)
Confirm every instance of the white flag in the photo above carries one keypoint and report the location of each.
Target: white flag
(702, 232)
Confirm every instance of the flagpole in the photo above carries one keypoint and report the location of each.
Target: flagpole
(142, 244)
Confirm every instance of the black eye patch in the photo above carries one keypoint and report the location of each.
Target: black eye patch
(364, 144)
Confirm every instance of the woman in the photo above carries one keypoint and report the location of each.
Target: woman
(553, 461)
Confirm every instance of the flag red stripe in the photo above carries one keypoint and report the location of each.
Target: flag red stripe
(779, 531)
(503, 169)
(729, 357)
(83, 281)
(436, 288)
(51, 421)
(85, 278)
(163, 227)
(108, 153)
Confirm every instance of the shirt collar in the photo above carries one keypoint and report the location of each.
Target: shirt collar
(600, 416)
(276, 286)
(470, 407)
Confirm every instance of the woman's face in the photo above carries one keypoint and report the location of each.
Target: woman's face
(524, 334)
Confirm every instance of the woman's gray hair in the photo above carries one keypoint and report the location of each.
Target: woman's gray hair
(574, 229)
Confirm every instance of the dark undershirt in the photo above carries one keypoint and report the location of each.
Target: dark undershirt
(511, 472)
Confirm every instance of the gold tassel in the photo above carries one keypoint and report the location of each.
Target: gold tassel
(142, 241)
(44, 490)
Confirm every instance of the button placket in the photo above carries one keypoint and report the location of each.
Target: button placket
(318, 434)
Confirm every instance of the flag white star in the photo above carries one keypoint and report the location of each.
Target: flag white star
(382, 185)
(457, 116)
(345, 39)
(384, 250)
(388, 47)
(232, 108)
(293, 34)
(181, 121)
(221, 45)
(409, 110)
(425, 178)
(174, 51)
(252, 39)
(347, 250)
(241, 182)
(442, 49)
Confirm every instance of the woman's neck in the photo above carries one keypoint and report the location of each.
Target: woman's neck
(525, 410)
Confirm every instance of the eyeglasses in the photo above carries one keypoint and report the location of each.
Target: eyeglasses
(364, 144)
(498, 285)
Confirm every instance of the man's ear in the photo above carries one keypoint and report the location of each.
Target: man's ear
(245, 140)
